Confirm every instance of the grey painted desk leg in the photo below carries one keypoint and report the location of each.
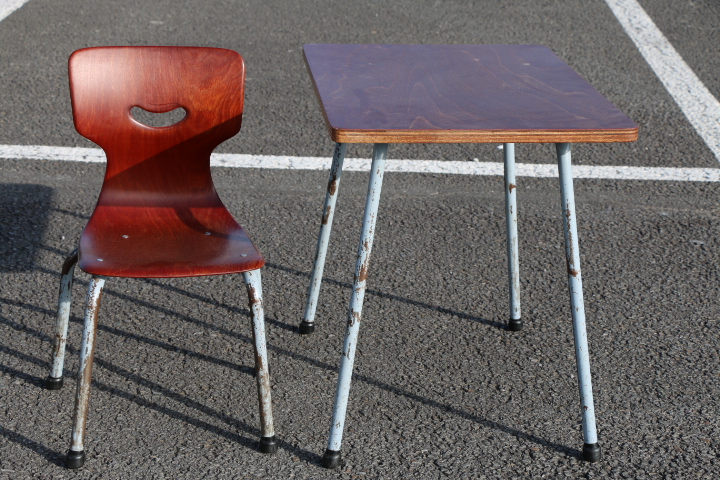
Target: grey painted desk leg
(515, 324)
(76, 455)
(55, 379)
(307, 326)
(331, 459)
(591, 448)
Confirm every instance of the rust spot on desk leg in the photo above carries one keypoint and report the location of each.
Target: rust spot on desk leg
(570, 270)
(353, 319)
(363, 272)
(570, 246)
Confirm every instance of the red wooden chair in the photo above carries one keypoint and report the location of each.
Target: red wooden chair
(158, 214)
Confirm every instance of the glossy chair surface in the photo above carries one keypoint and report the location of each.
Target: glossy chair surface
(158, 214)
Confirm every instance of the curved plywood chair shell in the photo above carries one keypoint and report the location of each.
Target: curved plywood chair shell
(158, 214)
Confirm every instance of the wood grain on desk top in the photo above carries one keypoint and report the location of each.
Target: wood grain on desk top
(457, 94)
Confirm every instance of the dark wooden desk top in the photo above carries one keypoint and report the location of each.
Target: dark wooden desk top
(459, 94)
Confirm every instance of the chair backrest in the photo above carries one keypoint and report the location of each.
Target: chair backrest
(157, 166)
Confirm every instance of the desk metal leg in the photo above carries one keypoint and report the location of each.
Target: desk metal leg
(307, 326)
(515, 324)
(591, 448)
(331, 459)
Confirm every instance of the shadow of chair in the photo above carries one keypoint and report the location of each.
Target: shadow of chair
(24, 210)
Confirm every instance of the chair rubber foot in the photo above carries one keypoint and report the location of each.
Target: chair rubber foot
(75, 459)
(515, 324)
(331, 459)
(52, 383)
(592, 452)
(268, 444)
(306, 328)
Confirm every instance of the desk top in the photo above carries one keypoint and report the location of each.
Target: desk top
(458, 94)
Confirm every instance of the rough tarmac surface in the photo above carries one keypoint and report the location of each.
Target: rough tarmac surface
(441, 389)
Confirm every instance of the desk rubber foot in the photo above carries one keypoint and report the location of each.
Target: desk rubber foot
(306, 328)
(52, 383)
(75, 459)
(515, 324)
(331, 459)
(592, 452)
(268, 444)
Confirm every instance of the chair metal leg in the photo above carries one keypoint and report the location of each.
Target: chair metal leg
(76, 454)
(331, 458)
(515, 323)
(591, 448)
(55, 380)
(268, 443)
(307, 326)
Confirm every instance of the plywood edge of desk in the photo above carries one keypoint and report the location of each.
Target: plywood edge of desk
(483, 136)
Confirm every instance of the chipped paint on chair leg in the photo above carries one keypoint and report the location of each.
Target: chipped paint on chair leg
(308, 324)
(591, 448)
(515, 323)
(55, 380)
(331, 459)
(76, 455)
(253, 280)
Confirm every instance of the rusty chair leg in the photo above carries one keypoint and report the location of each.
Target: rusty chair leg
(76, 454)
(268, 443)
(55, 380)
(307, 326)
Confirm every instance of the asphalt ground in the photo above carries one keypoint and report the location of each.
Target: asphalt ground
(441, 389)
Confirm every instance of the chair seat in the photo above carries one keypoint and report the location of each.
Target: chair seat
(163, 242)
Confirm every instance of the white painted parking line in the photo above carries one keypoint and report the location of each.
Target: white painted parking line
(9, 6)
(700, 107)
(95, 155)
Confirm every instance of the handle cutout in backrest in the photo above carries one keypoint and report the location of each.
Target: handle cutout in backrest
(151, 119)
